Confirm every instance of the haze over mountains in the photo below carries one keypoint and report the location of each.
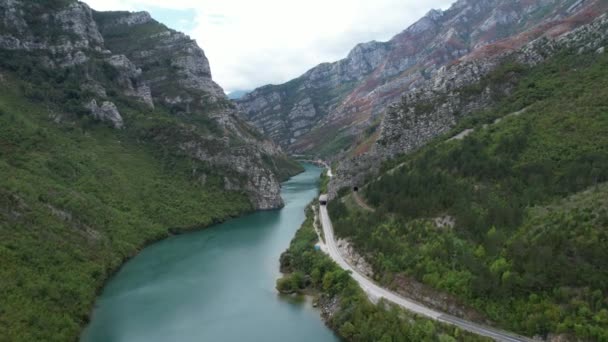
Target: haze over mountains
(237, 94)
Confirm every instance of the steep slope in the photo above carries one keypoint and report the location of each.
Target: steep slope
(337, 105)
(344, 305)
(179, 76)
(120, 54)
(112, 135)
(502, 218)
(461, 88)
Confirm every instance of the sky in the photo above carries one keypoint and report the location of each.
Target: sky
(250, 43)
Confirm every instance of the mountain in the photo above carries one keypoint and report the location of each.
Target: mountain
(338, 106)
(463, 87)
(113, 134)
(121, 54)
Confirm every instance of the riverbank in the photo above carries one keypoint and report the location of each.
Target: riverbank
(169, 233)
(213, 284)
(70, 220)
(344, 306)
(173, 231)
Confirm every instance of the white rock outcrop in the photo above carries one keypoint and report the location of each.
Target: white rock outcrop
(106, 112)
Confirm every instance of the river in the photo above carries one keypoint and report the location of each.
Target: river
(213, 285)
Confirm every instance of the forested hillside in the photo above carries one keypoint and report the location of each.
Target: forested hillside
(97, 158)
(346, 308)
(333, 110)
(75, 202)
(510, 216)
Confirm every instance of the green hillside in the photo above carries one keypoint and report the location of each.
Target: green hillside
(77, 198)
(528, 197)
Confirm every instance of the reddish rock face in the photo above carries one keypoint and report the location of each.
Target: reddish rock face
(340, 103)
(463, 87)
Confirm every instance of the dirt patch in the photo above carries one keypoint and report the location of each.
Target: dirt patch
(462, 135)
(446, 221)
(361, 203)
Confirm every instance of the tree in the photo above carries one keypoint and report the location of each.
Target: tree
(347, 330)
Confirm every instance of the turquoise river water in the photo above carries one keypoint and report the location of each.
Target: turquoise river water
(213, 285)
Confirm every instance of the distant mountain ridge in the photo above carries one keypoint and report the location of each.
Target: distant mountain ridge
(336, 106)
(237, 94)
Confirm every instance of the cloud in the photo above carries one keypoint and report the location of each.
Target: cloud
(252, 43)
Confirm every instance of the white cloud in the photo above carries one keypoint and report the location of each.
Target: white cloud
(252, 43)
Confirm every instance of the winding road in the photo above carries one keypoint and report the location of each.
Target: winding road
(375, 292)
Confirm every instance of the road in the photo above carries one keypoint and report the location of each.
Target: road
(376, 292)
(329, 173)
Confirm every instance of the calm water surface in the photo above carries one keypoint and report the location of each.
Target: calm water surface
(213, 285)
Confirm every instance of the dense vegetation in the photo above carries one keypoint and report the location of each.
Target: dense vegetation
(78, 198)
(528, 196)
(356, 318)
(324, 182)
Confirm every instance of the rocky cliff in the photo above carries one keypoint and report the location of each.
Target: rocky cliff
(131, 71)
(337, 106)
(473, 83)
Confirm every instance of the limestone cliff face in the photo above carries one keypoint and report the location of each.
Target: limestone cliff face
(122, 55)
(439, 103)
(65, 34)
(341, 103)
(179, 76)
(406, 127)
(156, 49)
